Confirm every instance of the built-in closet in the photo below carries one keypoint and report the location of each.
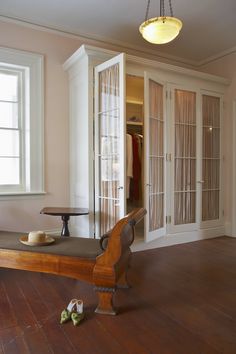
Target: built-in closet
(148, 134)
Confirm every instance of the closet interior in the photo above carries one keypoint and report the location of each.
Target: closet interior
(134, 146)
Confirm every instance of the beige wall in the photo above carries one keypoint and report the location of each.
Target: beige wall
(23, 214)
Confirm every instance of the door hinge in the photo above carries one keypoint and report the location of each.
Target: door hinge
(168, 219)
(168, 157)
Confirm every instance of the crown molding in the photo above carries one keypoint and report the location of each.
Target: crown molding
(95, 39)
(119, 45)
(217, 56)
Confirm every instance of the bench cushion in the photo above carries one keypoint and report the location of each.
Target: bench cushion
(65, 246)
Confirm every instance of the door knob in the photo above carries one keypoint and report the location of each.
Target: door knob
(200, 182)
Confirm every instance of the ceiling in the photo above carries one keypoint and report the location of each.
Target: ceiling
(209, 26)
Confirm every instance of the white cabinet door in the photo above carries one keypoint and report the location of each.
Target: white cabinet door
(109, 143)
(154, 152)
(184, 161)
(211, 181)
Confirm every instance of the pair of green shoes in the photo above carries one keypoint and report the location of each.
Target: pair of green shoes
(74, 312)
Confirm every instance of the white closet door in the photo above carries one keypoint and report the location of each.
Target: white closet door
(109, 144)
(211, 159)
(184, 161)
(154, 152)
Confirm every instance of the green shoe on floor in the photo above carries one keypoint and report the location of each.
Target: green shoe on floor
(65, 316)
(77, 318)
(66, 313)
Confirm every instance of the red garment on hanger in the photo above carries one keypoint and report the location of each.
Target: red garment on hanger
(134, 192)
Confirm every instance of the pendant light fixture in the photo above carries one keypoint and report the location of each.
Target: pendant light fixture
(162, 29)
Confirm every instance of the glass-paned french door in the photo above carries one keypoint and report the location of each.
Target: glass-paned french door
(211, 157)
(185, 156)
(155, 196)
(183, 160)
(195, 149)
(109, 144)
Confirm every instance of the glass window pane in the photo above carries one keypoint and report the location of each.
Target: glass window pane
(156, 212)
(10, 171)
(109, 145)
(109, 89)
(156, 100)
(211, 174)
(210, 205)
(185, 107)
(185, 141)
(156, 174)
(156, 143)
(8, 87)
(9, 143)
(109, 168)
(185, 174)
(211, 111)
(8, 115)
(185, 207)
(109, 123)
(109, 214)
(211, 142)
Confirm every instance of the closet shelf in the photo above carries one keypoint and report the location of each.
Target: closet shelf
(134, 123)
(134, 102)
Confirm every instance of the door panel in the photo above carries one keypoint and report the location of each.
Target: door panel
(154, 151)
(211, 158)
(184, 162)
(109, 143)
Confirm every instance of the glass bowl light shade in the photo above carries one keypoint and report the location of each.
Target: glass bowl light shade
(160, 30)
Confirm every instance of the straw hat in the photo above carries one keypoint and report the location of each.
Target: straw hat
(36, 238)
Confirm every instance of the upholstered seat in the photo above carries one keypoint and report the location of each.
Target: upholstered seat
(70, 246)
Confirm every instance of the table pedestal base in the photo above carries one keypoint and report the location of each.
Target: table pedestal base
(65, 228)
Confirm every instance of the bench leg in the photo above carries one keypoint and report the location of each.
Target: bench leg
(105, 301)
(123, 282)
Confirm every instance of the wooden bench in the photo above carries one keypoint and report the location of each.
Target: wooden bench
(80, 258)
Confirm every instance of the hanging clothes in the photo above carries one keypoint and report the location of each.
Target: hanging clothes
(134, 190)
(129, 163)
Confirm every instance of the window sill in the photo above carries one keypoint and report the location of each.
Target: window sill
(20, 195)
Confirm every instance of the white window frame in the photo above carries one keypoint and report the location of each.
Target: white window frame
(30, 66)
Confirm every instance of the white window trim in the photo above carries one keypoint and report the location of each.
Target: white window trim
(33, 64)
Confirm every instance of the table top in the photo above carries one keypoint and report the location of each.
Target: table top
(60, 211)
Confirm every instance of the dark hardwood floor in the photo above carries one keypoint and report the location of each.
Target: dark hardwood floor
(182, 301)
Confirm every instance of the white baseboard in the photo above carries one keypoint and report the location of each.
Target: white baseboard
(174, 239)
(228, 229)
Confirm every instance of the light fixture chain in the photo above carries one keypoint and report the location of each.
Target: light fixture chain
(162, 8)
(171, 9)
(147, 10)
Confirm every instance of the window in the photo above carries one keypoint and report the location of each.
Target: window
(21, 123)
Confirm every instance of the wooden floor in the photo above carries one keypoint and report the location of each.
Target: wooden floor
(182, 301)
